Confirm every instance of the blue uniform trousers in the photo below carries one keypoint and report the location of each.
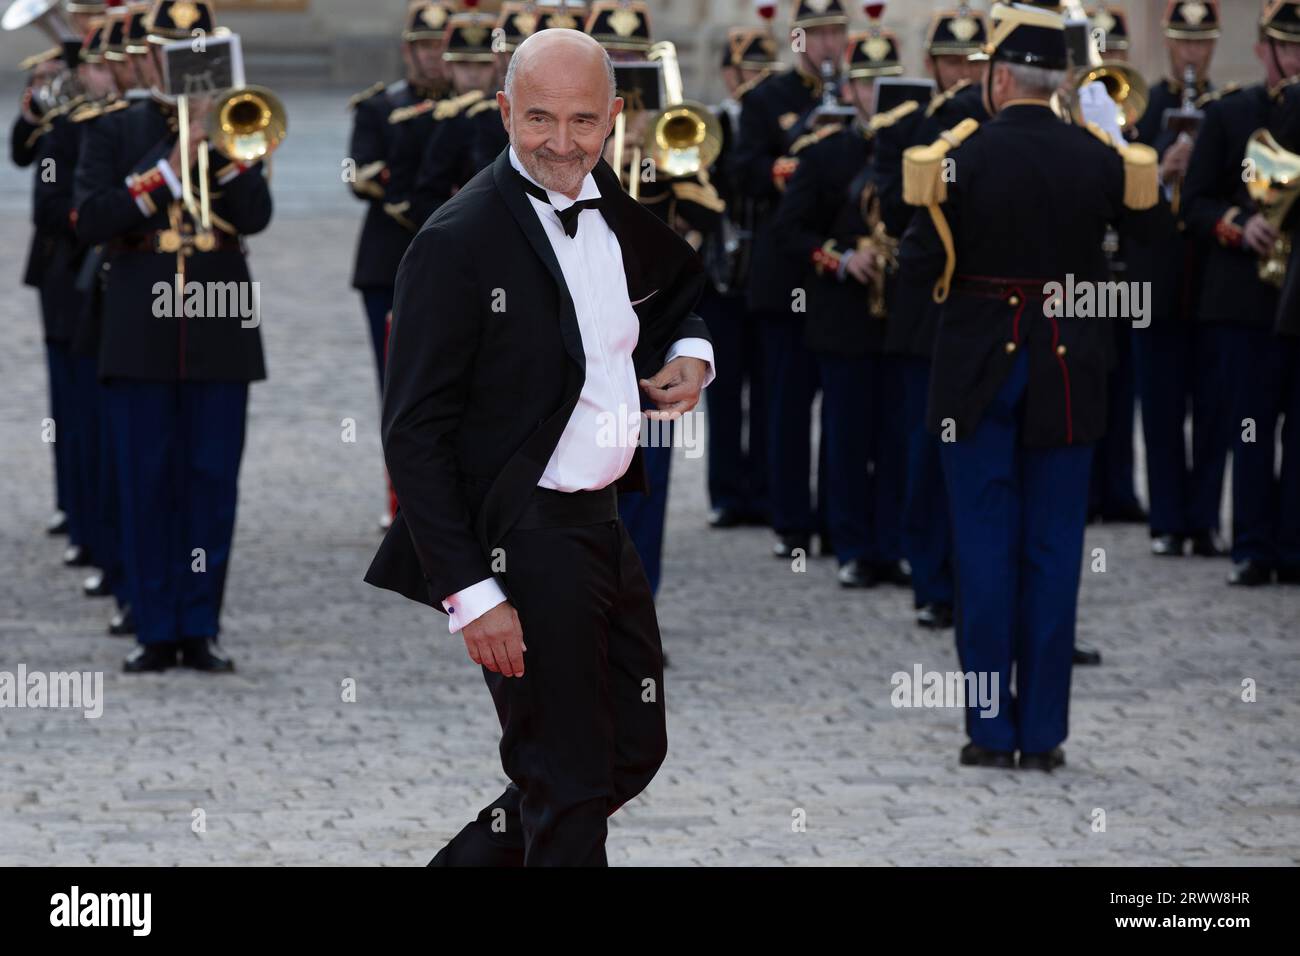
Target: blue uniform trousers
(1112, 486)
(644, 514)
(58, 360)
(1265, 498)
(1018, 526)
(791, 380)
(737, 455)
(178, 449)
(927, 526)
(378, 303)
(1182, 368)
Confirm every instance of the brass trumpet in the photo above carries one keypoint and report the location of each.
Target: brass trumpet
(1274, 184)
(248, 123)
(684, 137)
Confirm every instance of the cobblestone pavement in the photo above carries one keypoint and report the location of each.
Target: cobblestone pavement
(778, 693)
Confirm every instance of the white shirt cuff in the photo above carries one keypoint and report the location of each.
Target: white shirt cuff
(173, 183)
(468, 605)
(701, 349)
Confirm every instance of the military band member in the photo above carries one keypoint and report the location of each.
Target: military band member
(830, 219)
(469, 126)
(1180, 363)
(373, 148)
(954, 36)
(737, 456)
(177, 375)
(1018, 388)
(31, 126)
(774, 115)
(1113, 493)
(1288, 135)
(1263, 367)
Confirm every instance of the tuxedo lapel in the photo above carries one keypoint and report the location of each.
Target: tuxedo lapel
(517, 201)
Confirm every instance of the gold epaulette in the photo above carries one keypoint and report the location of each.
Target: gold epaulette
(37, 59)
(807, 139)
(1141, 170)
(482, 107)
(923, 166)
(86, 112)
(750, 84)
(942, 98)
(890, 117)
(452, 107)
(925, 184)
(366, 94)
(702, 194)
(1216, 95)
(404, 113)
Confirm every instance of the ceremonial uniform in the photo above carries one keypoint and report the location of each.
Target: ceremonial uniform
(926, 529)
(1018, 387)
(774, 115)
(1264, 368)
(830, 211)
(1180, 363)
(176, 360)
(737, 455)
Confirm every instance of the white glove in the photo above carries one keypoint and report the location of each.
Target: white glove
(1099, 108)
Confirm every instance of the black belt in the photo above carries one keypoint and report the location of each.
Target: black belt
(548, 508)
(996, 287)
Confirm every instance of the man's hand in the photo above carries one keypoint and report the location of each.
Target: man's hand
(676, 388)
(496, 641)
(1173, 166)
(863, 266)
(25, 108)
(1259, 235)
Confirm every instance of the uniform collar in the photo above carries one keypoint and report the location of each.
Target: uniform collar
(560, 201)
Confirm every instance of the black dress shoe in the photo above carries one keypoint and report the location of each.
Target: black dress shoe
(1168, 545)
(122, 623)
(201, 654)
(1288, 575)
(973, 755)
(1208, 545)
(893, 572)
(58, 524)
(726, 518)
(75, 556)
(936, 617)
(97, 586)
(1250, 574)
(150, 657)
(476, 845)
(856, 574)
(1086, 656)
(786, 544)
(1045, 762)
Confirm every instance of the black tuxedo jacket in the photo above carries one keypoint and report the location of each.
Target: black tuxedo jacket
(486, 364)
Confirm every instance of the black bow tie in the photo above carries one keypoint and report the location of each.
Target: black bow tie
(569, 216)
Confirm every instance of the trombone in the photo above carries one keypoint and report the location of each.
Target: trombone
(1125, 85)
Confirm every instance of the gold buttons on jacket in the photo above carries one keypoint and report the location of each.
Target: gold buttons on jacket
(1060, 350)
(1011, 347)
(1014, 300)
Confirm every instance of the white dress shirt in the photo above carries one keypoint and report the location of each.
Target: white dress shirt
(610, 402)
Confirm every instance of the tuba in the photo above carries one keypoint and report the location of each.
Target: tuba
(684, 137)
(46, 16)
(1274, 184)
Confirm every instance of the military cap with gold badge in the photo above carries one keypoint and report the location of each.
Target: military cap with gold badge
(819, 13)
(92, 49)
(873, 53)
(750, 48)
(115, 35)
(136, 33)
(620, 25)
(1192, 20)
(1113, 23)
(172, 20)
(516, 23)
(469, 38)
(561, 15)
(958, 32)
(426, 20)
(1281, 20)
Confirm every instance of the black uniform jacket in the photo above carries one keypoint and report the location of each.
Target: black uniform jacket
(477, 396)
(1173, 260)
(772, 116)
(820, 208)
(1029, 204)
(913, 313)
(136, 342)
(1218, 206)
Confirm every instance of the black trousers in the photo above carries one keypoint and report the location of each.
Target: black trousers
(583, 731)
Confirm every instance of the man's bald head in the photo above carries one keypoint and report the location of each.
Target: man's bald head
(548, 50)
(558, 106)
